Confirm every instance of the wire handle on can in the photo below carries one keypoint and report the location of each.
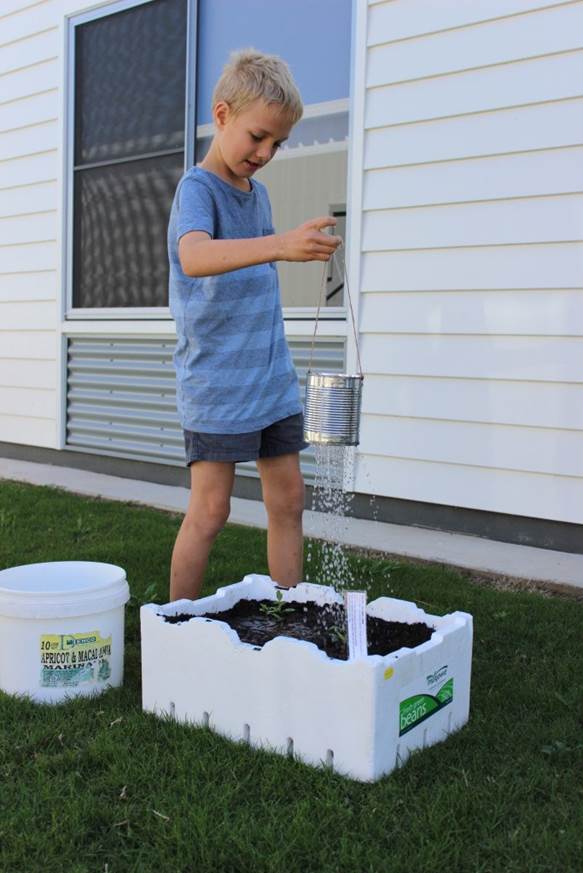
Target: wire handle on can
(322, 284)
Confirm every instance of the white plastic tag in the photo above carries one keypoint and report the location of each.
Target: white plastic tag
(355, 603)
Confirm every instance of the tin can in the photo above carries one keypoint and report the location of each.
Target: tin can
(332, 408)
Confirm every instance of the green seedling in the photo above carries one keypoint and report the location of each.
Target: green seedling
(275, 610)
(338, 634)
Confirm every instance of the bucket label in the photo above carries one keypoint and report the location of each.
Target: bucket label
(70, 659)
(418, 707)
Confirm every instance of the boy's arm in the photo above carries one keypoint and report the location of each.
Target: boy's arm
(202, 256)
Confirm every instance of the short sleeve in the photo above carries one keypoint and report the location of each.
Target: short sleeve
(196, 208)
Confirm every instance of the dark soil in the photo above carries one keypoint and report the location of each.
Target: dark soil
(315, 624)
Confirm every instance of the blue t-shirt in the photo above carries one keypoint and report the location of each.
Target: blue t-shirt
(234, 371)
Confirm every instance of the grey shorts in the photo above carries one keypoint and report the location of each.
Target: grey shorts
(280, 438)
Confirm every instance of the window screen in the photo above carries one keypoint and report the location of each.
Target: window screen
(121, 218)
(130, 75)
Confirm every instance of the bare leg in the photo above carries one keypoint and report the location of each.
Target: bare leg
(283, 495)
(207, 513)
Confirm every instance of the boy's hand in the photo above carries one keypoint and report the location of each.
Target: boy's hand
(308, 243)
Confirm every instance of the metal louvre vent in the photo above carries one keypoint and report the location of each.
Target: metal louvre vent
(121, 397)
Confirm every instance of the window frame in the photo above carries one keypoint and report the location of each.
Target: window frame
(121, 313)
(71, 314)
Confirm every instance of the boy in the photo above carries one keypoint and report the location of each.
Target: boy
(237, 390)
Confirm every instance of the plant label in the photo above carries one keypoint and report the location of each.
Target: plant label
(355, 603)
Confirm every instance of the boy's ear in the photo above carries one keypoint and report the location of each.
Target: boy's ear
(221, 113)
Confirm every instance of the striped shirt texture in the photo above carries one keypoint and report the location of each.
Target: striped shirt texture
(234, 372)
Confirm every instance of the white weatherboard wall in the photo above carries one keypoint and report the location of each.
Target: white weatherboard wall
(29, 221)
(471, 267)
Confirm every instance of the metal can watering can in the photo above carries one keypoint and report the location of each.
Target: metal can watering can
(332, 409)
(333, 400)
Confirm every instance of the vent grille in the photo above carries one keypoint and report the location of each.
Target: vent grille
(121, 397)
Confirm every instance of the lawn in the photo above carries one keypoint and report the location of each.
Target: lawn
(96, 786)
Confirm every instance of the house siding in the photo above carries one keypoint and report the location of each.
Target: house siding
(29, 152)
(471, 267)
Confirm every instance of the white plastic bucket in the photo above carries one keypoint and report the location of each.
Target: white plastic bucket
(62, 629)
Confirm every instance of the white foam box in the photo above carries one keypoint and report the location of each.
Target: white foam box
(362, 717)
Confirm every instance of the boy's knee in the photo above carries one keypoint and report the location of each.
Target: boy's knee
(209, 516)
(288, 502)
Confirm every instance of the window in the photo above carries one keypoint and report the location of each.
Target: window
(309, 173)
(137, 79)
(129, 151)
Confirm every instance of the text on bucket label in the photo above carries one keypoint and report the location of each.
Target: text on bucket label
(70, 659)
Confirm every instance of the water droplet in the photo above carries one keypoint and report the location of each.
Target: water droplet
(330, 496)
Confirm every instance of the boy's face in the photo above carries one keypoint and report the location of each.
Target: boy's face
(249, 140)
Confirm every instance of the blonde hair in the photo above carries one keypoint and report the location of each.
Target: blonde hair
(250, 75)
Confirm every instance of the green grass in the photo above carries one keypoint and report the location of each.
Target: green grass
(96, 785)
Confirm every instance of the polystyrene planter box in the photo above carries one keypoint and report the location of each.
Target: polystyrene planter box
(362, 717)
